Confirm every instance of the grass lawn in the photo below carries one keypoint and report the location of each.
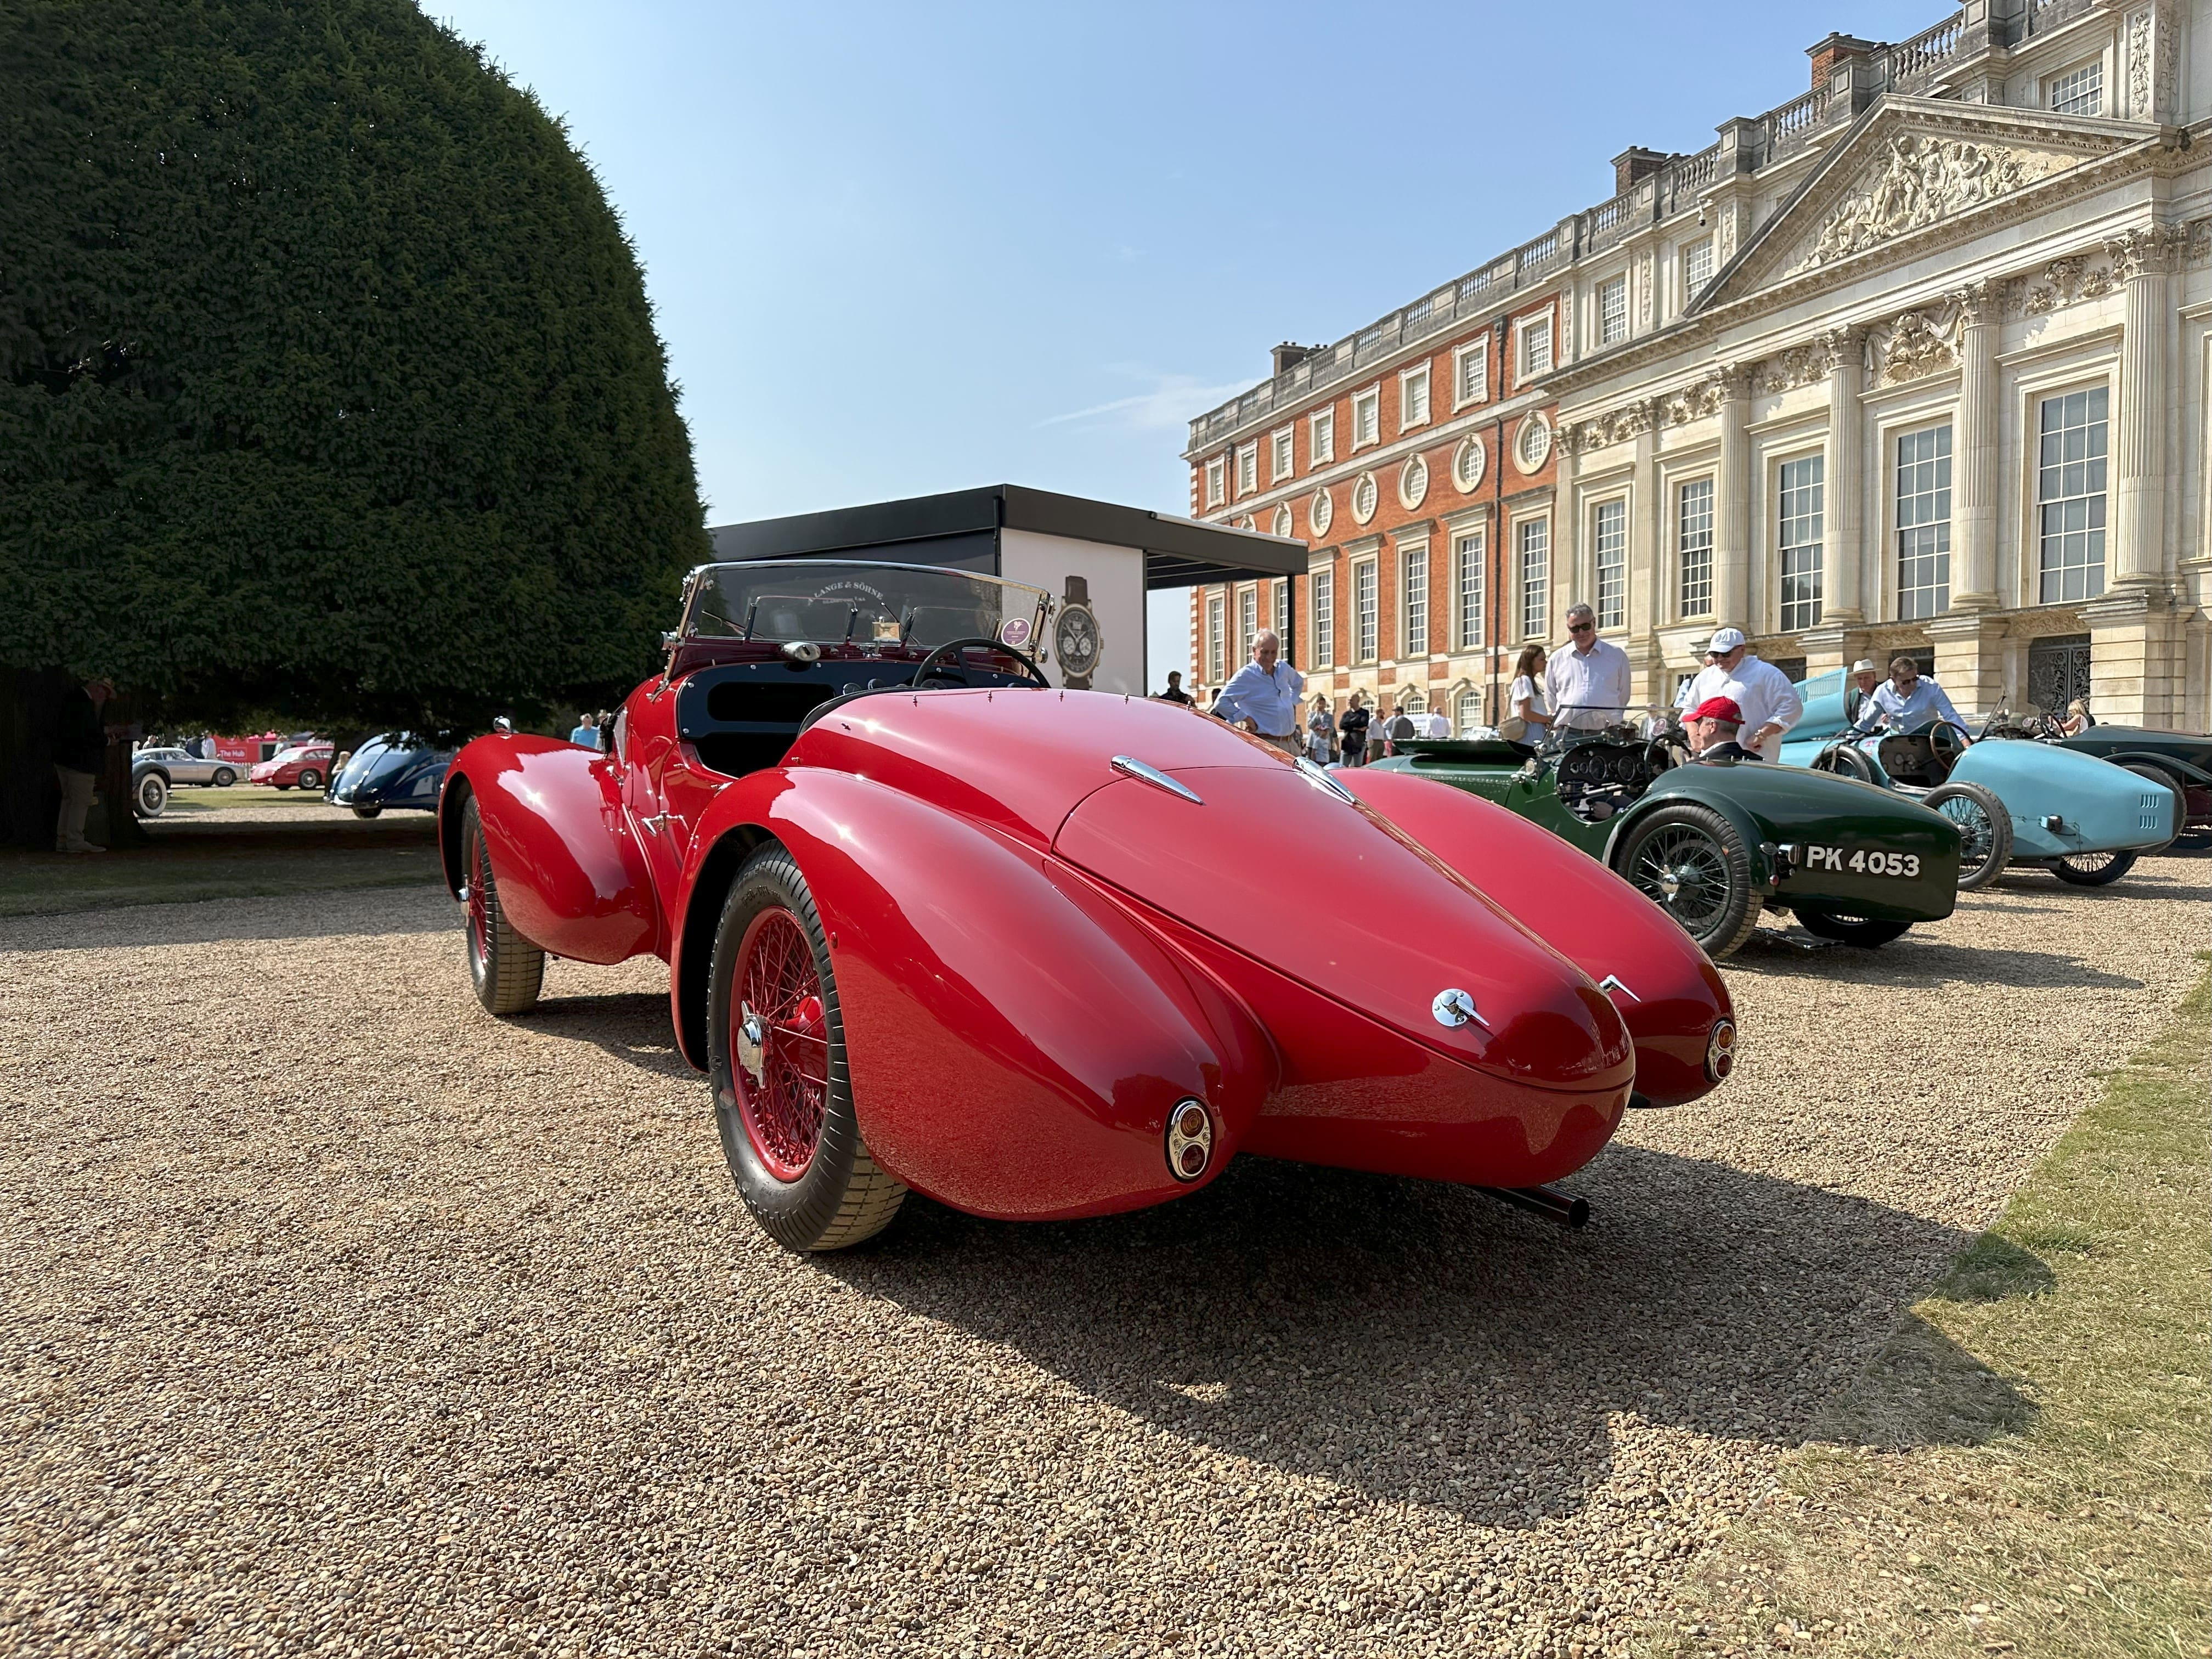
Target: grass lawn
(2023, 1469)
(307, 846)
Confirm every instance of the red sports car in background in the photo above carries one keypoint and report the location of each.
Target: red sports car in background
(305, 764)
(934, 923)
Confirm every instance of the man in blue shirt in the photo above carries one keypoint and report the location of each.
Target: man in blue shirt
(1905, 702)
(1263, 697)
(586, 733)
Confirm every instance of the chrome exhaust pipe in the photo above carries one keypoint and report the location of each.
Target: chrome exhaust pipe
(1552, 1204)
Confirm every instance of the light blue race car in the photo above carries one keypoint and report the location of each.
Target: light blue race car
(2083, 818)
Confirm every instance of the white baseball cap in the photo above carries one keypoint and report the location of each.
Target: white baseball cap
(1865, 665)
(1725, 640)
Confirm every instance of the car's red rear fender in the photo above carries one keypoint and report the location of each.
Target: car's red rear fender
(1015, 1043)
(1667, 991)
(571, 879)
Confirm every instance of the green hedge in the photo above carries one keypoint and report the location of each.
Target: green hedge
(328, 384)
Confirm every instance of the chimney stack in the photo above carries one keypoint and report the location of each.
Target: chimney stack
(1631, 167)
(1289, 356)
(1837, 49)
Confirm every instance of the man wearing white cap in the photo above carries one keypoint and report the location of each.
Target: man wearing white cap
(1770, 703)
(1864, 677)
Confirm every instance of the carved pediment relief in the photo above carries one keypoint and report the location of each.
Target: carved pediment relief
(1917, 166)
(1920, 180)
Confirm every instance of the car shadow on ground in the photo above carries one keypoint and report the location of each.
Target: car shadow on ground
(1414, 1341)
(630, 1026)
(1916, 962)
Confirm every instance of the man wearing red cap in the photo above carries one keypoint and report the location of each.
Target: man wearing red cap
(1713, 726)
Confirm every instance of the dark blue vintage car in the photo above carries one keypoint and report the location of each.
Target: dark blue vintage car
(398, 769)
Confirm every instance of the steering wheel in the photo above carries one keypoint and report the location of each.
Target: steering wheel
(937, 663)
(1948, 741)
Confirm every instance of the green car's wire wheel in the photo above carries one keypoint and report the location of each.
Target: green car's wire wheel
(1690, 861)
(2092, 869)
(1850, 930)
(2165, 780)
(1984, 831)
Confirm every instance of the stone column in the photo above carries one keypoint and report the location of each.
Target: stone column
(1732, 508)
(1844, 591)
(2143, 258)
(1646, 561)
(1974, 473)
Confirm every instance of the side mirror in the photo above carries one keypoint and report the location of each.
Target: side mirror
(501, 724)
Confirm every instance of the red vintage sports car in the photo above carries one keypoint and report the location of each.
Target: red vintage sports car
(305, 764)
(932, 923)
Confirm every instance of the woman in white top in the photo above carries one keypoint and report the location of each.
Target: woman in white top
(1525, 702)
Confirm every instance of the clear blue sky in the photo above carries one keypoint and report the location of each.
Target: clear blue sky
(900, 248)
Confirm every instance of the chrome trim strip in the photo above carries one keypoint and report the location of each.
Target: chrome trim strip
(1152, 774)
(1320, 779)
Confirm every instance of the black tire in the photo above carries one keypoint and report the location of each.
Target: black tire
(310, 778)
(223, 779)
(2160, 775)
(366, 812)
(283, 786)
(507, 971)
(1690, 861)
(1984, 830)
(1847, 761)
(1851, 930)
(150, 795)
(791, 1139)
(2093, 869)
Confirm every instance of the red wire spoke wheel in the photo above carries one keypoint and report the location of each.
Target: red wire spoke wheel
(783, 1096)
(782, 1043)
(505, 970)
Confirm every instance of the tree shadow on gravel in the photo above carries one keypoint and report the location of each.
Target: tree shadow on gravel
(411, 904)
(1416, 1341)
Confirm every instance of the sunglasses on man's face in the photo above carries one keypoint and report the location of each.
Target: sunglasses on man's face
(1580, 627)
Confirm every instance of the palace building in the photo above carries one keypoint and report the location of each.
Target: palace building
(1917, 361)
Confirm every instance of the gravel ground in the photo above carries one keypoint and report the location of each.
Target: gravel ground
(342, 1318)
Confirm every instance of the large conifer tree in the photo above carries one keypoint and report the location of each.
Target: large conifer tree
(328, 384)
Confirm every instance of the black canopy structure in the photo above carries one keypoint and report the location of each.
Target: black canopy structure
(963, 528)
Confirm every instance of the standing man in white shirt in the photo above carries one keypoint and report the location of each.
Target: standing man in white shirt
(1588, 683)
(1770, 703)
(1263, 697)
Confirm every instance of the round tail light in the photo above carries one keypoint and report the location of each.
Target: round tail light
(1190, 1139)
(1720, 1050)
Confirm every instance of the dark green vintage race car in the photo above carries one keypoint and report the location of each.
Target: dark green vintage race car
(1713, 843)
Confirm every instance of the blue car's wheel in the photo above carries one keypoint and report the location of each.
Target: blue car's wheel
(2093, 869)
(1984, 831)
